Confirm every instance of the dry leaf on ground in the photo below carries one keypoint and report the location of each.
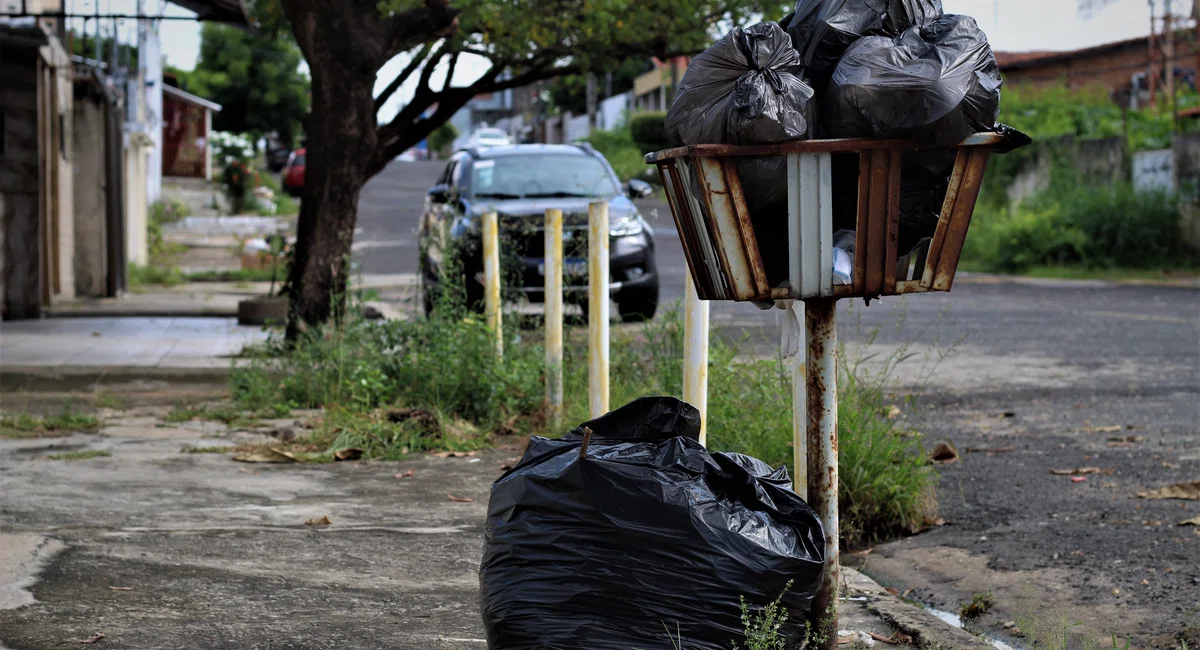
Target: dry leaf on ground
(1194, 521)
(1126, 438)
(460, 499)
(1189, 491)
(454, 454)
(898, 638)
(266, 455)
(92, 639)
(408, 474)
(323, 520)
(350, 453)
(1079, 471)
(1078, 479)
(121, 588)
(944, 452)
(893, 412)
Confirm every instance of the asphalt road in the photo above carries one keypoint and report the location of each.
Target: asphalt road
(1068, 360)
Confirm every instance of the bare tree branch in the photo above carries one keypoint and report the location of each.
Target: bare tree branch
(395, 84)
(450, 72)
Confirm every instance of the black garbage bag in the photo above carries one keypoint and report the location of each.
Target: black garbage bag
(822, 30)
(649, 530)
(745, 89)
(748, 89)
(937, 83)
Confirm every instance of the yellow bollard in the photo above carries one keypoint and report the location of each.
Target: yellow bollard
(598, 305)
(695, 360)
(553, 264)
(491, 277)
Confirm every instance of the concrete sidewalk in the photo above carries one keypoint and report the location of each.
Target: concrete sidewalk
(91, 350)
(157, 548)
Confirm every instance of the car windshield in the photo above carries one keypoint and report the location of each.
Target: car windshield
(513, 177)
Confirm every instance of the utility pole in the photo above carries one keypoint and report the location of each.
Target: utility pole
(1169, 62)
(591, 100)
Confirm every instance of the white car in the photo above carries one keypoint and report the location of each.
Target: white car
(490, 138)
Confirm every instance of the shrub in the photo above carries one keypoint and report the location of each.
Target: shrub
(618, 147)
(442, 139)
(1087, 225)
(649, 131)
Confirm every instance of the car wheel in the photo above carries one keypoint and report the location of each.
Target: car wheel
(638, 305)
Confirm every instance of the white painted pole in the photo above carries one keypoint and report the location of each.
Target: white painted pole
(553, 256)
(695, 361)
(491, 277)
(799, 368)
(598, 305)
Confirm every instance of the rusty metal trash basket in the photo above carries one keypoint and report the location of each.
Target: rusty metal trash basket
(718, 231)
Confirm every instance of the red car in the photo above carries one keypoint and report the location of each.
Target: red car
(293, 173)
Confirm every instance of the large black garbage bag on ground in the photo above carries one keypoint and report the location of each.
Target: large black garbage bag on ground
(648, 530)
(822, 30)
(936, 83)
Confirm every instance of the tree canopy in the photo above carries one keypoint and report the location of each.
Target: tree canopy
(255, 77)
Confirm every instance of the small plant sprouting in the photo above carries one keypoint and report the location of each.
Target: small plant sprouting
(762, 629)
(980, 604)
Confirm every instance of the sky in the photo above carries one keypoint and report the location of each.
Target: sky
(1011, 25)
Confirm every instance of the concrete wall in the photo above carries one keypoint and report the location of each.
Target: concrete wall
(1097, 161)
(1186, 147)
(138, 147)
(20, 258)
(90, 190)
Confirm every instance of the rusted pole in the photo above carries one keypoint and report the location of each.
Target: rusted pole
(820, 316)
(491, 277)
(695, 361)
(598, 306)
(553, 257)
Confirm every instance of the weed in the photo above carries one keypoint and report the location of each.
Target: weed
(762, 628)
(205, 450)
(24, 425)
(166, 276)
(228, 414)
(106, 400)
(980, 604)
(79, 455)
(236, 275)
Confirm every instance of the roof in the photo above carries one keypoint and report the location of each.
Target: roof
(190, 98)
(1019, 60)
(527, 149)
(232, 12)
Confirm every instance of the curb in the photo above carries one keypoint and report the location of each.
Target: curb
(41, 378)
(967, 277)
(140, 312)
(926, 630)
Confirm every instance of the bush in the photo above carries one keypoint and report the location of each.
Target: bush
(442, 139)
(1079, 225)
(649, 131)
(618, 147)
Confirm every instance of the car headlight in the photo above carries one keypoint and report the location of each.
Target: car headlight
(626, 225)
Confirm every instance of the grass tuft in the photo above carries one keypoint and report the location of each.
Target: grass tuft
(79, 455)
(24, 425)
(205, 450)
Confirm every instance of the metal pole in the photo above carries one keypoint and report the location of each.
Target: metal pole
(821, 329)
(799, 371)
(554, 314)
(695, 361)
(491, 277)
(598, 304)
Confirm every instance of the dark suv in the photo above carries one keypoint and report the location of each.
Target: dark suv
(520, 183)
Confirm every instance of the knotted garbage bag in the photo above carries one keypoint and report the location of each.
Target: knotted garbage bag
(822, 30)
(645, 532)
(749, 89)
(937, 83)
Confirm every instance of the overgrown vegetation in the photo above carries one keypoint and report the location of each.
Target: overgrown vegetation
(398, 387)
(762, 627)
(1080, 219)
(649, 131)
(618, 147)
(24, 425)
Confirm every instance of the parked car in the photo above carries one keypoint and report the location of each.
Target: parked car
(277, 157)
(487, 137)
(520, 182)
(292, 177)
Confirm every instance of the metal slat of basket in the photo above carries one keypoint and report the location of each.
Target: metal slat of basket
(718, 234)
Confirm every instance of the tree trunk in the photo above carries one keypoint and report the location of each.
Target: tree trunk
(341, 141)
